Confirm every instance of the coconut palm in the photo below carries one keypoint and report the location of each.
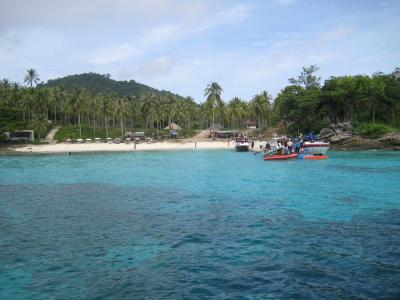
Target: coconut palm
(237, 111)
(121, 112)
(213, 93)
(94, 107)
(260, 107)
(76, 106)
(170, 108)
(105, 108)
(31, 77)
(40, 124)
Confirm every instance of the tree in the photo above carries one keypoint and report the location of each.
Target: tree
(307, 78)
(238, 110)
(261, 107)
(31, 77)
(121, 112)
(76, 105)
(213, 93)
(105, 108)
(40, 124)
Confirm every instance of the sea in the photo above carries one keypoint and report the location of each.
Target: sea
(199, 224)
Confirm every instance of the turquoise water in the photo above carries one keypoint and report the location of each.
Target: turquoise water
(199, 224)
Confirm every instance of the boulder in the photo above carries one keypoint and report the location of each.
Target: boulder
(326, 133)
(340, 138)
(347, 125)
(391, 139)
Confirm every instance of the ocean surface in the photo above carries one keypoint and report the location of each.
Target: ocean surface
(198, 225)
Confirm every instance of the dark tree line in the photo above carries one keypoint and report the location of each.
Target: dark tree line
(305, 105)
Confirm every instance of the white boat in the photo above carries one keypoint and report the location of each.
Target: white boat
(315, 147)
(242, 144)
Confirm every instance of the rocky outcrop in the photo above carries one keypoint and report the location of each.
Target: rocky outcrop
(341, 136)
(337, 133)
(391, 139)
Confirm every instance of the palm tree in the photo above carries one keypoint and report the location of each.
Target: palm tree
(94, 106)
(31, 77)
(76, 103)
(170, 108)
(40, 124)
(238, 111)
(213, 94)
(121, 111)
(260, 107)
(105, 108)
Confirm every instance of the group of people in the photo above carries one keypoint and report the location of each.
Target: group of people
(289, 145)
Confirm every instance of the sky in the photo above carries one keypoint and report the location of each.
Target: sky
(181, 46)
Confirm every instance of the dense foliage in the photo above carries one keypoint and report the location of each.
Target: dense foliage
(306, 106)
(65, 102)
(102, 104)
(102, 84)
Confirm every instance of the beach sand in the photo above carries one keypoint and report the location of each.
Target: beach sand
(104, 147)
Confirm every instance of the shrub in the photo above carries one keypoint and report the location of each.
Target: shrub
(371, 130)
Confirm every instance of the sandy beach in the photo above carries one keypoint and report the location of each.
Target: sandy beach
(104, 147)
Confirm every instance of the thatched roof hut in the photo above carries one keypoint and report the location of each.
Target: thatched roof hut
(173, 126)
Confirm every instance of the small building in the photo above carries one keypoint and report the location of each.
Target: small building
(227, 134)
(138, 135)
(20, 135)
(215, 126)
(251, 124)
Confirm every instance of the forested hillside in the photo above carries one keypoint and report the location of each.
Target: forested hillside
(102, 84)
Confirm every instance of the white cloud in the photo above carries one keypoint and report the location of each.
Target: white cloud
(183, 45)
(168, 34)
(112, 54)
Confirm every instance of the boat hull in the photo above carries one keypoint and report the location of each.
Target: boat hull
(242, 147)
(315, 148)
(281, 157)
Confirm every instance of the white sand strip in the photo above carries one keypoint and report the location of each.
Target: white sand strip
(103, 147)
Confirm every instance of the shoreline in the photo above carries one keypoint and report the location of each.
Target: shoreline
(103, 147)
(62, 148)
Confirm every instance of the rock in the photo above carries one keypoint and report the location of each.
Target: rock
(391, 139)
(347, 125)
(340, 138)
(358, 143)
(326, 133)
(327, 136)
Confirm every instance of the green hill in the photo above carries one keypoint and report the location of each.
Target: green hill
(104, 84)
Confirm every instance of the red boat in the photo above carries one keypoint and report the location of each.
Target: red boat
(281, 157)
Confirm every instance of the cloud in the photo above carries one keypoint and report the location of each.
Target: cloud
(168, 34)
(112, 54)
(183, 45)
